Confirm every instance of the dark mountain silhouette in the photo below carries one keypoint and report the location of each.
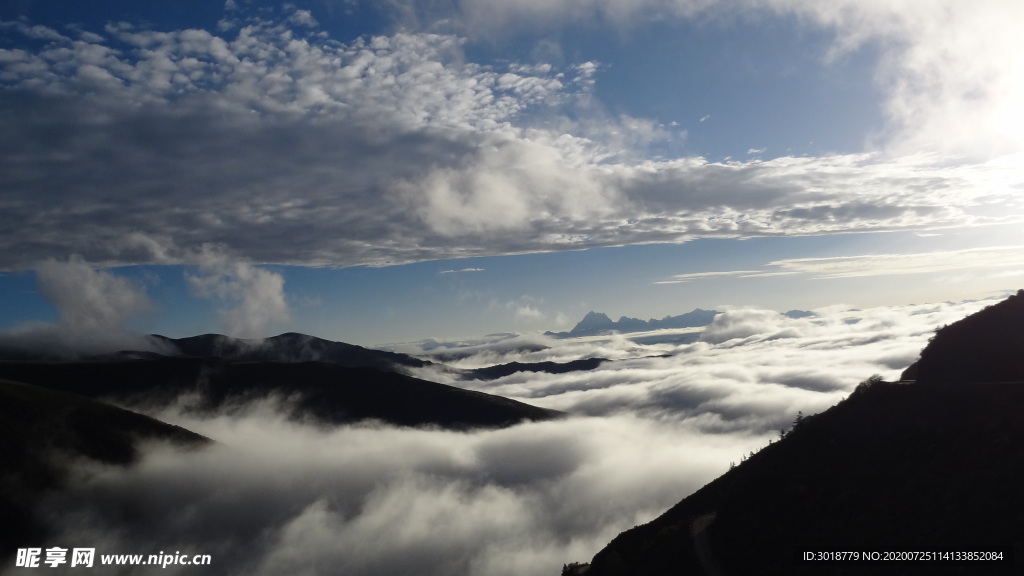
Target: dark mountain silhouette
(916, 467)
(499, 370)
(290, 347)
(330, 393)
(42, 431)
(592, 322)
(987, 346)
(597, 323)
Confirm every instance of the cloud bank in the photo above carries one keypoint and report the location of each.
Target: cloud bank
(133, 145)
(750, 371)
(277, 496)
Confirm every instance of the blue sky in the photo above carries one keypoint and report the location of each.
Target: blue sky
(379, 172)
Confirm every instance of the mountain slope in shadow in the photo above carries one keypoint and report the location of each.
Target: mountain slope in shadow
(327, 392)
(44, 431)
(290, 347)
(925, 466)
(987, 346)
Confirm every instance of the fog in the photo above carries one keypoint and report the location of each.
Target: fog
(276, 496)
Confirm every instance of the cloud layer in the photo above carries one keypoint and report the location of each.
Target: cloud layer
(269, 138)
(277, 496)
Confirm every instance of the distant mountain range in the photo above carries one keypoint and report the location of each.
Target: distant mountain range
(598, 323)
(924, 467)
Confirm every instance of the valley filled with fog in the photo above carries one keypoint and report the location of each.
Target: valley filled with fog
(647, 427)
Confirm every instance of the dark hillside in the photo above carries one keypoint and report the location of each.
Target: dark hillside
(290, 347)
(929, 465)
(984, 347)
(328, 392)
(43, 430)
(892, 467)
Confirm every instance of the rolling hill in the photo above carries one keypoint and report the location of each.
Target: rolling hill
(327, 392)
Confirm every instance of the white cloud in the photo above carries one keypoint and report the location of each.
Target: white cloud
(752, 370)
(742, 324)
(96, 310)
(863, 265)
(255, 296)
(273, 496)
(953, 71)
(290, 148)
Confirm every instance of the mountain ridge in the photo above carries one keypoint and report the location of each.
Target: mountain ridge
(926, 465)
(290, 347)
(599, 323)
(328, 392)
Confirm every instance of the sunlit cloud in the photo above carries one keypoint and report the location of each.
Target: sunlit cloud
(252, 298)
(399, 149)
(95, 311)
(879, 265)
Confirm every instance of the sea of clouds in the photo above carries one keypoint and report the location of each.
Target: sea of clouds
(647, 428)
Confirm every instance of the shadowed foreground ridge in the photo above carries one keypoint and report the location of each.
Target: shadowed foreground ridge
(43, 431)
(987, 346)
(896, 466)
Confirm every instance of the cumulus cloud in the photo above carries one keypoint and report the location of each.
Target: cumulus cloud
(254, 297)
(951, 72)
(94, 308)
(741, 324)
(288, 147)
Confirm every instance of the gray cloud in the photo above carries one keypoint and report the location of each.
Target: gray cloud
(95, 311)
(288, 147)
